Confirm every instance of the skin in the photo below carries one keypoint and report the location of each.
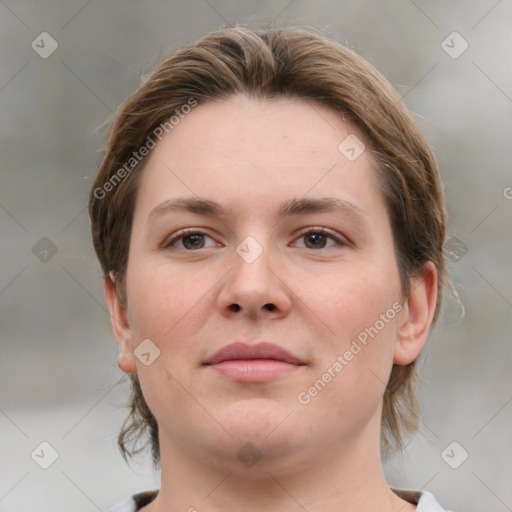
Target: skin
(312, 299)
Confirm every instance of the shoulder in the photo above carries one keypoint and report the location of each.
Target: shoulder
(135, 502)
(424, 501)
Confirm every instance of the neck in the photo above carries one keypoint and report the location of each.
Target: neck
(342, 477)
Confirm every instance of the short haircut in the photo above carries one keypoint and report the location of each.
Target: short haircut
(262, 64)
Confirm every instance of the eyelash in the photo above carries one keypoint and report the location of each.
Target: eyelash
(312, 230)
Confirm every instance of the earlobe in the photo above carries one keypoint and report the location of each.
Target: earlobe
(121, 327)
(416, 316)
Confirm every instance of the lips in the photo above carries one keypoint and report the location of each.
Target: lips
(240, 351)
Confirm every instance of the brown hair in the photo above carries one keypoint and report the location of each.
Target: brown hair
(292, 62)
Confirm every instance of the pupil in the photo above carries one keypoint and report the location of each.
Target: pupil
(319, 238)
(195, 239)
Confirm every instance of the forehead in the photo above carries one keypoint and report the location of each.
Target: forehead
(244, 128)
(258, 151)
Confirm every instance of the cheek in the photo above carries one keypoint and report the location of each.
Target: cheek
(165, 303)
(165, 306)
(350, 302)
(355, 340)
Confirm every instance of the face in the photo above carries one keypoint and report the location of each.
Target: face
(251, 226)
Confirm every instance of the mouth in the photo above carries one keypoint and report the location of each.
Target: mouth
(253, 363)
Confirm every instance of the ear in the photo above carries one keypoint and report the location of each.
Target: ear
(121, 326)
(416, 316)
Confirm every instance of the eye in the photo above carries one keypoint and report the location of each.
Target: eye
(317, 238)
(193, 239)
(190, 239)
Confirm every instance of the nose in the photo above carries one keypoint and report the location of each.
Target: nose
(256, 286)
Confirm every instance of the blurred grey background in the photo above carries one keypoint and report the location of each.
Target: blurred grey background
(59, 376)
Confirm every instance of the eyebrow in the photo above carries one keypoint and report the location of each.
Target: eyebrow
(202, 206)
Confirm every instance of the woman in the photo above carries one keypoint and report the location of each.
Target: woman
(270, 224)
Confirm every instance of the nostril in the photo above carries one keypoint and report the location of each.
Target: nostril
(269, 306)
